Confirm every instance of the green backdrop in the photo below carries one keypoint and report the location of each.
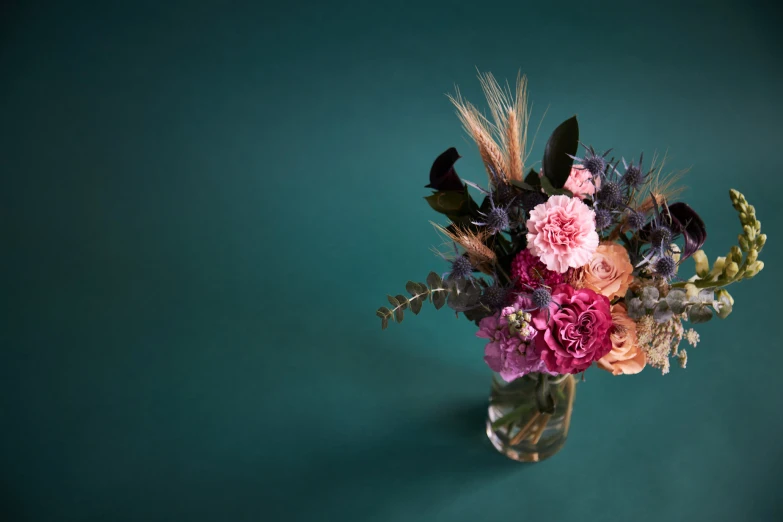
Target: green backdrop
(204, 203)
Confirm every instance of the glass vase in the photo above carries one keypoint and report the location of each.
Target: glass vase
(529, 417)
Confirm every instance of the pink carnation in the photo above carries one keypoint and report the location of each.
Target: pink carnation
(575, 331)
(561, 232)
(580, 182)
(530, 272)
(510, 351)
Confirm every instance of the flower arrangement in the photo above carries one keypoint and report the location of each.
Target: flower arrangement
(578, 264)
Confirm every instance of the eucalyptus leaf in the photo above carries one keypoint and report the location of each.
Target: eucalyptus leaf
(383, 312)
(699, 313)
(438, 299)
(706, 296)
(415, 305)
(393, 301)
(434, 280)
(662, 311)
(562, 144)
(410, 287)
(384, 323)
(635, 308)
(678, 300)
(650, 297)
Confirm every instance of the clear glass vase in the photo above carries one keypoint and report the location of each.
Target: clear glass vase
(529, 417)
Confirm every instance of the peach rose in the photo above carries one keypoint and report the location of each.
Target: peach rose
(626, 358)
(609, 272)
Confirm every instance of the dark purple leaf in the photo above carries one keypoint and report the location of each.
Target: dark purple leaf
(687, 222)
(443, 177)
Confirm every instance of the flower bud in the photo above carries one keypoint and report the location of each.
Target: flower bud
(753, 254)
(761, 240)
(717, 268)
(702, 263)
(731, 270)
(750, 232)
(723, 303)
(743, 218)
(735, 254)
(754, 268)
(757, 226)
(743, 243)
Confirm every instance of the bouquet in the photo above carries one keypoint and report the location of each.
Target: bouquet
(578, 264)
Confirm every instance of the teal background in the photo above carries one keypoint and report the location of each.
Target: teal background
(203, 203)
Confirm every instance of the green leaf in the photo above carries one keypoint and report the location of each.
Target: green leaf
(416, 305)
(512, 416)
(421, 289)
(410, 286)
(546, 184)
(383, 312)
(522, 185)
(544, 398)
(452, 202)
(533, 179)
(384, 323)
(434, 281)
(393, 301)
(563, 141)
(403, 301)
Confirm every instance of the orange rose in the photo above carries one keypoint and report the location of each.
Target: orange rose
(609, 272)
(626, 357)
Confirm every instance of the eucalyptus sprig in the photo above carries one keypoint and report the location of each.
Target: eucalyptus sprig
(742, 260)
(460, 294)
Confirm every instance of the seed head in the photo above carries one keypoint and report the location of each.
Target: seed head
(541, 298)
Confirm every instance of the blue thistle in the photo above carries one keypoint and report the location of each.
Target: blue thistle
(660, 237)
(636, 220)
(497, 219)
(495, 296)
(634, 177)
(594, 162)
(531, 200)
(665, 267)
(541, 298)
(603, 218)
(461, 268)
(610, 195)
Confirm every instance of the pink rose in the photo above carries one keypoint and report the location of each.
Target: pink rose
(580, 182)
(574, 332)
(561, 232)
(626, 356)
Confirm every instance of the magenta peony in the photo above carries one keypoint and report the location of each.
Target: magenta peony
(575, 331)
(561, 232)
(531, 273)
(510, 351)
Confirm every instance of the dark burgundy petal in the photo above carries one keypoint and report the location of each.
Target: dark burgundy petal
(687, 222)
(442, 174)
